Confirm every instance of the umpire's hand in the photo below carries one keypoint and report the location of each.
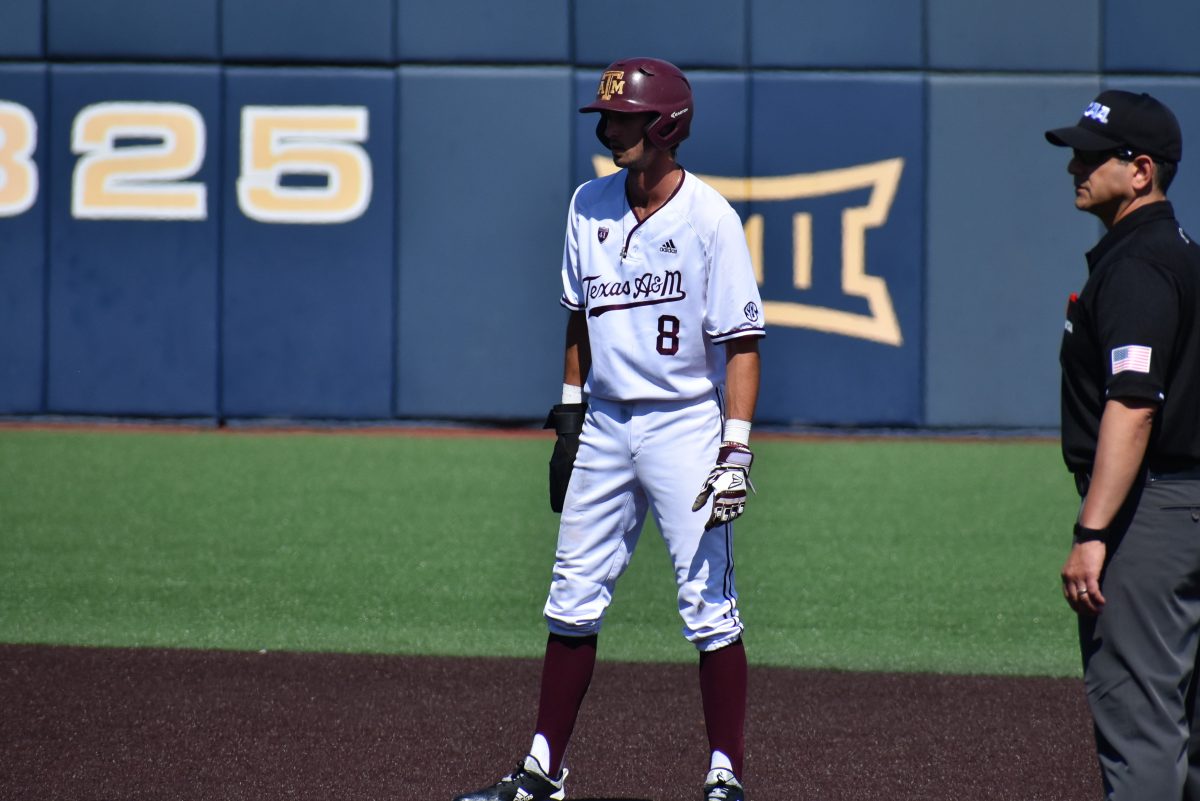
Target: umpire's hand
(1081, 577)
(727, 483)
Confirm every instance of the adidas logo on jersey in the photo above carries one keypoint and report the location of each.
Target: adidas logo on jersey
(668, 246)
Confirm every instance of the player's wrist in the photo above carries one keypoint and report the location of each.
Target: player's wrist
(737, 431)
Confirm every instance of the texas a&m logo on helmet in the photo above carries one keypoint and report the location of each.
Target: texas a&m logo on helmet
(611, 83)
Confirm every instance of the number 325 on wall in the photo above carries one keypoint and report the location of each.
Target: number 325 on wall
(299, 164)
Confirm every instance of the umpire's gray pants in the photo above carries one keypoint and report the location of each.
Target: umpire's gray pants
(1139, 654)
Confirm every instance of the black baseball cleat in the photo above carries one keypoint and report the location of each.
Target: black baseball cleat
(722, 785)
(527, 782)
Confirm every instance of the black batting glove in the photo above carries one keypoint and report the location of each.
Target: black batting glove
(567, 421)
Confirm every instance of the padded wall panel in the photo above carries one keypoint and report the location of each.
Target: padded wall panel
(1151, 36)
(133, 29)
(709, 33)
(22, 237)
(1013, 35)
(306, 31)
(466, 31)
(481, 222)
(840, 208)
(133, 300)
(1182, 95)
(851, 33)
(21, 29)
(309, 277)
(1006, 248)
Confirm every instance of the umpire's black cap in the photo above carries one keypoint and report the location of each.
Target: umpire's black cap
(1124, 119)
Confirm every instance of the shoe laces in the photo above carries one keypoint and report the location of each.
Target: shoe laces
(520, 772)
(718, 792)
(515, 774)
(722, 788)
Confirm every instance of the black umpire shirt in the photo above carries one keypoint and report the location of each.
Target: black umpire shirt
(1132, 333)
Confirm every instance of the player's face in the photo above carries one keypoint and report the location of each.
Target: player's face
(626, 138)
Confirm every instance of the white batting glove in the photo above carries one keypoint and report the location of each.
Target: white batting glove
(727, 483)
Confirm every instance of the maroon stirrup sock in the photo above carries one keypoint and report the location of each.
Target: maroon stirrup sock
(566, 674)
(723, 692)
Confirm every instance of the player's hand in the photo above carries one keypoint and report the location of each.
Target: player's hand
(567, 421)
(726, 484)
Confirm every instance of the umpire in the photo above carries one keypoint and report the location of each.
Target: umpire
(1131, 435)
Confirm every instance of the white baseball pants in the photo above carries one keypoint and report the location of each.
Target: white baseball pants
(633, 458)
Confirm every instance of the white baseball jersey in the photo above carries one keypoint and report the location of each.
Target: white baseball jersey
(661, 295)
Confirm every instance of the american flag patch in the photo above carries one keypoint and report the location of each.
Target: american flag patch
(1134, 358)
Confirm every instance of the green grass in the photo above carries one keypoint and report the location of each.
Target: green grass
(864, 555)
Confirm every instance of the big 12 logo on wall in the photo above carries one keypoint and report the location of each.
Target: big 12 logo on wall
(878, 323)
(827, 174)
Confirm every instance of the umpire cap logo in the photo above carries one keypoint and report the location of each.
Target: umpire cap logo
(1097, 112)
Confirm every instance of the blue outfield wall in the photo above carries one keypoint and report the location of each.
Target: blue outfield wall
(132, 287)
(23, 239)
(842, 246)
(181, 30)
(21, 25)
(292, 31)
(481, 216)
(308, 275)
(998, 275)
(309, 209)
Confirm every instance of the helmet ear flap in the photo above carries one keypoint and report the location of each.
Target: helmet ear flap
(660, 131)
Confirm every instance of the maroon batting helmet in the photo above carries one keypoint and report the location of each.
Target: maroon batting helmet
(639, 85)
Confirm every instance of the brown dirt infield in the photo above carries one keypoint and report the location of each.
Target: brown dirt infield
(91, 724)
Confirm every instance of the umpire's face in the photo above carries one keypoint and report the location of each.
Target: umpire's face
(1104, 181)
(625, 135)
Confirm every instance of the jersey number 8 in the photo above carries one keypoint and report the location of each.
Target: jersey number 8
(668, 335)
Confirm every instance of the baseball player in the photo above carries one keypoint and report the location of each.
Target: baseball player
(660, 384)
